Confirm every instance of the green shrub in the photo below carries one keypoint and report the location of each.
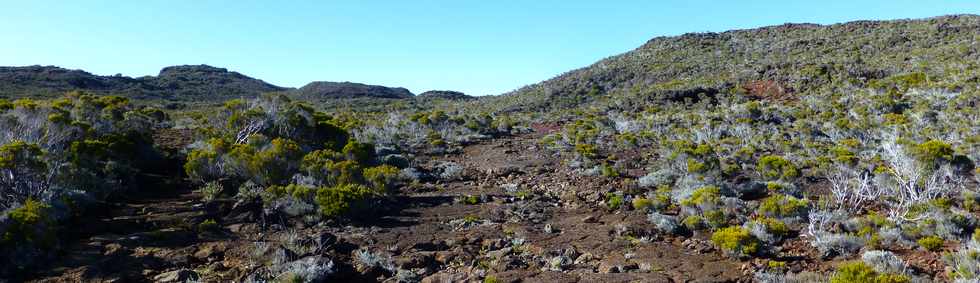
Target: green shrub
(702, 196)
(211, 191)
(5, 105)
(381, 178)
(780, 205)
(860, 272)
(931, 243)
(609, 171)
(362, 153)
(933, 151)
(31, 223)
(843, 155)
(643, 204)
(337, 200)
(715, 218)
(694, 222)
(774, 226)
(21, 155)
(614, 201)
(207, 225)
(736, 239)
(585, 150)
(777, 167)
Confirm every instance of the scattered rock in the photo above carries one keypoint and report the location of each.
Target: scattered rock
(584, 258)
(113, 249)
(499, 253)
(181, 275)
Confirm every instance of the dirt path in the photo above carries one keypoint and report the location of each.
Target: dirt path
(565, 233)
(514, 213)
(135, 236)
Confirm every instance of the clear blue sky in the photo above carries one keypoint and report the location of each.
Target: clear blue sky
(476, 46)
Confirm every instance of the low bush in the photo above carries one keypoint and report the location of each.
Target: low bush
(614, 201)
(776, 167)
(780, 206)
(334, 201)
(32, 224)
(931, 243)
(736, 240)
(859, 272)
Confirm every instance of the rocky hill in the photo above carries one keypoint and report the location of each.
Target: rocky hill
(351, 90)
(189, 82)
(180, 83)
(445, 94)
(793, 58)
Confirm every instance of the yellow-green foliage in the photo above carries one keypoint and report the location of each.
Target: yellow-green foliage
(30, 223)
(715, 218)
(207, 225)
(702, 196)
(200, 162)
(701, 158)
(694, 222)
(860, 272)
(777, 167)
(614, 201)
(931, 243)
(736, 239)
(5, 105)
(642, 204)
(780, 205)
(776, 265)
(362, 153)
(773, 226)
(302, 192)
(19, 154)
(277, 162)
(471, 200)
(933, 151)
(608, 171)
(586, 150)
(843, 155)
(381, 178)
(337, 200)
(894, 119)
(264, 163)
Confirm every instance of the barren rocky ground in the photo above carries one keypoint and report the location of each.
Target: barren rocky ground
(512, 214)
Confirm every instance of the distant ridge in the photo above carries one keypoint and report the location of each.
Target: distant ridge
(180, 83)
(445, 94)
(186, 82)
(351, 90)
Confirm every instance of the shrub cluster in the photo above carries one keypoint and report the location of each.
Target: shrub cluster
(58, 155)
(300, 156)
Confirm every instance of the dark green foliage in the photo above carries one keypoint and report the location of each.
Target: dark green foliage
(362, 153)
(336, 200)
(31, 224)
(187, 83)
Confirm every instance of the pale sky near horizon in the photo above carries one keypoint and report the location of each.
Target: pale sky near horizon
(478, 47)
